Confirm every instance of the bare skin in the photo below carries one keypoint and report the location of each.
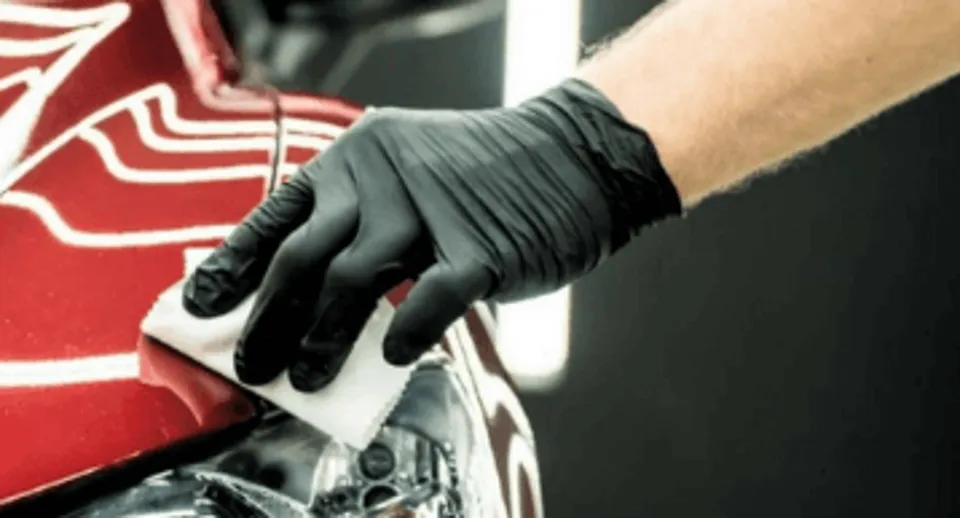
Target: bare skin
(729, 88)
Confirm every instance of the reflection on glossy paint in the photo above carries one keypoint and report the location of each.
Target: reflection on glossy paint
(533, 335)
(209, 398)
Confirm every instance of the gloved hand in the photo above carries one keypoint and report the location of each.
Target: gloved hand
(494, 204)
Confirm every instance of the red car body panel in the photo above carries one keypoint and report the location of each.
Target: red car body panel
(133, 145)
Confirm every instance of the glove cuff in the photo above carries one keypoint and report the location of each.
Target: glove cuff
(619, 156)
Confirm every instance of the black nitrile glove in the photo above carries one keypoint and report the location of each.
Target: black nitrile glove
(496, 204)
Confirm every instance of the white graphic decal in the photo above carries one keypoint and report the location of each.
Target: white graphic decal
(43, 209)
(105, 148)
(522, 459)
(85, 29)
(494, 394)
(45, 373)
(249, 135)
(26, 76)
(496, 391)
(136, 105)
(240, 136)
(89, 28)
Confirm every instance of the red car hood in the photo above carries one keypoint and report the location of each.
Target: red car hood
(131, 149)
(124, 148)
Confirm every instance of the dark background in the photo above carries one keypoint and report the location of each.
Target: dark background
(788, 350)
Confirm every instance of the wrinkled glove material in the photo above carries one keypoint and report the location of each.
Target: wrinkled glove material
(498, 204)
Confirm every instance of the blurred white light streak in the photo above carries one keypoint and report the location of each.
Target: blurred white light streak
(542, 48)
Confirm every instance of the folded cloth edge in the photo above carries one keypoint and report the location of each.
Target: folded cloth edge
(351, 409)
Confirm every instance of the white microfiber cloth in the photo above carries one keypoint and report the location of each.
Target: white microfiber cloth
(351, 409)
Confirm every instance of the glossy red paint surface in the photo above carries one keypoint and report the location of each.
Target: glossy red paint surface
(82, 247)
(135, 149)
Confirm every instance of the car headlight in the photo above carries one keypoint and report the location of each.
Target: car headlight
(426, 462)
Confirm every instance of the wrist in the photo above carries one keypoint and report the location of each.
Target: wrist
(618, 156)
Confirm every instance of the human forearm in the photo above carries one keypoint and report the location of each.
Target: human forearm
(728, 88)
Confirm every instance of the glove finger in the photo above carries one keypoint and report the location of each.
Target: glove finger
(379, 258)
(441, 296)
(237, 266)
(283, 309)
